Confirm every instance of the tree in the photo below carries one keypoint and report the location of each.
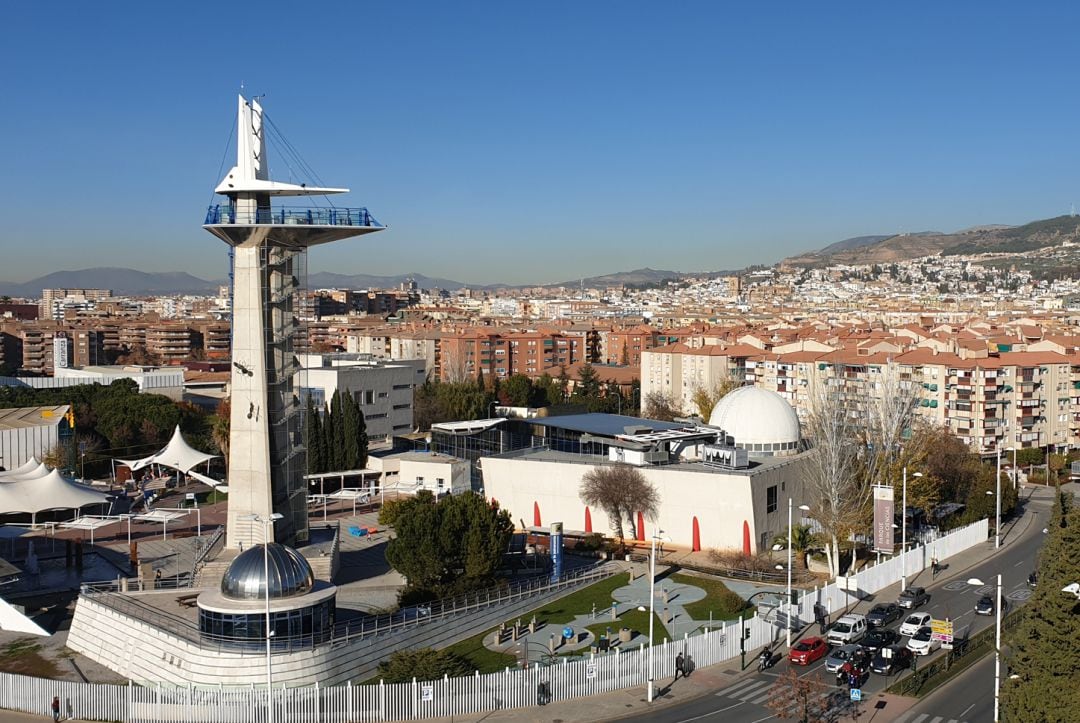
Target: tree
(423, 664)
(802, 698)
(1041, 651)
(588, 389)
(661, 407)
(313, 439)
(220, 427)
(517, 391)
(802, 540)
(449, 546)
(621, 491)
(838, 490)
(705, 398)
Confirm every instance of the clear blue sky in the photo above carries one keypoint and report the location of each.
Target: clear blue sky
(520, 142)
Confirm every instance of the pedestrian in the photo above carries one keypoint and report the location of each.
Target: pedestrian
(934, 565)
(55, 708)
(679, 666)
(853, 679)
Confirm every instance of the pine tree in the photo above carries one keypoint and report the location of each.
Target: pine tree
(361, 439)
(332, 433)
(350, 410)
(1042, 650)
(313, 439)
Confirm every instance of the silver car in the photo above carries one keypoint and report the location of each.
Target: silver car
(839, 656)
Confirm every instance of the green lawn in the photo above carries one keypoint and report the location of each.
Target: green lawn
(557, 614)
(718, 600)
(486, 661)
(635, 620)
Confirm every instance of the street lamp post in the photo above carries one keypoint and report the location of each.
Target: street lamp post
(903, 532)
(997, 643)
(652, 601)
(997, 505)
(805, 508)
(267, 522)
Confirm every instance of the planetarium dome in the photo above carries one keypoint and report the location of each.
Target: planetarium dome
(290, 574)
(760, 421)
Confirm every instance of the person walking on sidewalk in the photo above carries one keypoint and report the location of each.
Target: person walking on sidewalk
(55, 708)
(679, 666)
(934, 566)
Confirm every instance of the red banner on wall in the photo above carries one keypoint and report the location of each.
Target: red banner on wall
(883, 519)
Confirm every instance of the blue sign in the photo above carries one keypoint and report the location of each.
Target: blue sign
(568, 632)
(556, 551)
(856, 694)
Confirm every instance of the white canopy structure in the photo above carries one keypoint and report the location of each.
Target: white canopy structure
(39, 471)
(177, 454)
(27, 466)
(52, 492)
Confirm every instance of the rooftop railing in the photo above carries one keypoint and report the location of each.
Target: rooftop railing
(220, 214)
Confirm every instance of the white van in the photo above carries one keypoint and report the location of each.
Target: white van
(848, 629)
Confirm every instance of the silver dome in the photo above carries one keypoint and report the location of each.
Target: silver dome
(290, 574)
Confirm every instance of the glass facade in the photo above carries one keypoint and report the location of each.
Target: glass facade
(291, 628)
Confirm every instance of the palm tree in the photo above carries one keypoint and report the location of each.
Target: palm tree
(803, 540)
(219, 429)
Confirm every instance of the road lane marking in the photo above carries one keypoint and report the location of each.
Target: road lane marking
(966, 710)
(735, 687)
(750, 692)
(706, 715)
(1022, 562)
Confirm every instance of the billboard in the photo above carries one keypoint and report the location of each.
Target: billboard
(883, 519)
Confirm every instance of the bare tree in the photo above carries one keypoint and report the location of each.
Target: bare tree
(455, 368)
(661, 406)
(836, 486)
(706, 397)
(888, 414)
(802, 699)
(621, 491)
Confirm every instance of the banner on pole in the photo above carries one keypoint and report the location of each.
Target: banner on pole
(883, 519)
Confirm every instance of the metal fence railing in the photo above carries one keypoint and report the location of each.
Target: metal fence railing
(136, 607)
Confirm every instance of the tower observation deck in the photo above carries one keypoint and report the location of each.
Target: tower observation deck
(266, 453)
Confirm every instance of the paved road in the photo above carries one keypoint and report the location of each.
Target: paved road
(743, 701)
(969, 696)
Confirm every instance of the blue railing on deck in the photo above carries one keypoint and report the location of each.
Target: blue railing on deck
(224, 214)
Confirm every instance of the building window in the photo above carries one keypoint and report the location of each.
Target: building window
(439, 482)
(770, 499)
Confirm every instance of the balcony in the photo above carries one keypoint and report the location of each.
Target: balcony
(219, 214)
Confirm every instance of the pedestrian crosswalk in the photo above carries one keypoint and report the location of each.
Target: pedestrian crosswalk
(757, 691)
(912, 717)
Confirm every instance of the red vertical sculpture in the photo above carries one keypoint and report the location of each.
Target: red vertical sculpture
(640, 527)
(588, 520)
(745, 537)
(697, 537)
(536, 514)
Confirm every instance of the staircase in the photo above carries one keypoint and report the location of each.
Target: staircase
(211, 573)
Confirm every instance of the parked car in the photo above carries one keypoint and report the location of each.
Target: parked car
(808, 650)
(986, 606)
(913, 622)
(879, 638)
(848, 629)
(898, 659)
(913, 597)
(883, 614)
(841, 655)
(922, 642)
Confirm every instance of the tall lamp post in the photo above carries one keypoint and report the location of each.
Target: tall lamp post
(652, 600)
(804, 508)
(997, 642)
(903, 532)
(1015, 471)
(267, 523)
(997, 503)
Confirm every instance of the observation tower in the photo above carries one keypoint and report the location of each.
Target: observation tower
(266, 453)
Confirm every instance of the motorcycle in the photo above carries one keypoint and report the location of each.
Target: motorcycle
(765, 660)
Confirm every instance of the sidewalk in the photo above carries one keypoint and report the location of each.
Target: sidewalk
(707, 681)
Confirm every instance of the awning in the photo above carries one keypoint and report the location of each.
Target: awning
(177, 454)
(52, 492)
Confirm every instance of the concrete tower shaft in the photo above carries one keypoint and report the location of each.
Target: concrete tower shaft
(266, 454)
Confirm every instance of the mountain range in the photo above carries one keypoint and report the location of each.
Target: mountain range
(975, 240)
(869, 249)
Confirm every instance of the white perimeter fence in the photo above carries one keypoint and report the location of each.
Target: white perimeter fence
(512, 688)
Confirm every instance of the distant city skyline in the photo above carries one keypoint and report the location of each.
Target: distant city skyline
(534, 144)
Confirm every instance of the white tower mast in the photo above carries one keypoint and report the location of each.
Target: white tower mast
(266, 454)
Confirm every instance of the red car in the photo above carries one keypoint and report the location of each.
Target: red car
(808, 650)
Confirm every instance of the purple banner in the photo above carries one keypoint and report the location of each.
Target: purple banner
(883, 519)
